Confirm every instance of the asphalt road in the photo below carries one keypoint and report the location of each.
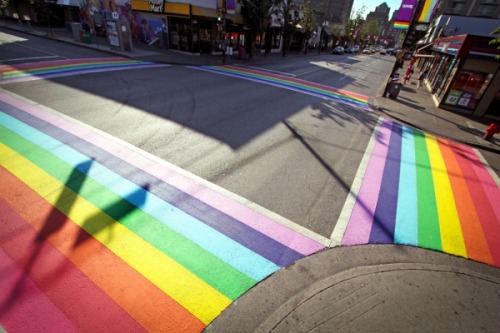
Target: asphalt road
(291, 153)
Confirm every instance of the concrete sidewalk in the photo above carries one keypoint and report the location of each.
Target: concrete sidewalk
(376, 288)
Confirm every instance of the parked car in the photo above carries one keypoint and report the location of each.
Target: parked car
(355, 48)
(349, 50)
(383, 51)
(338, 50)
(391, 51)
(368, 51)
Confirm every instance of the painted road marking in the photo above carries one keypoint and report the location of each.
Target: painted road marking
(298, 85)
(421, 190)
(68, 67)
(124, 227)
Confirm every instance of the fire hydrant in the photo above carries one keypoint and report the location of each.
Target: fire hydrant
(492, 129)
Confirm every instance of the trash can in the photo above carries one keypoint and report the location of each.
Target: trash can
(394, 88)
(86, 37)
(76, 28)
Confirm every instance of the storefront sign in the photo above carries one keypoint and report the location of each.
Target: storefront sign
(453, 97)
(112, 33)
(465, 99)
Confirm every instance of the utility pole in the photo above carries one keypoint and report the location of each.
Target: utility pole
(221, 19)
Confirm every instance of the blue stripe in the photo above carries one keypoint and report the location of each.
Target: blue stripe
(216, 243)
(407, 212)
(240, 232)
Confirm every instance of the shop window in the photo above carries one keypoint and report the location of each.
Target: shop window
(467, 89)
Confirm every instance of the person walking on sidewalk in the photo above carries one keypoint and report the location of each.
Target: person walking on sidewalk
(422, 77)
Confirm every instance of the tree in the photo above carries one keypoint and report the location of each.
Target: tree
(308, 23)
(256, 14)
(353, 26)
(496, 40)
(288, 22)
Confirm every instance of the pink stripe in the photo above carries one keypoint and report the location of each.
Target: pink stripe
(361, 220)
(23, 306)
(242, 213)
(64, 284)
(50, 63)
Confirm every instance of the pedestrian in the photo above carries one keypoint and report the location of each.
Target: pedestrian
(422, 77)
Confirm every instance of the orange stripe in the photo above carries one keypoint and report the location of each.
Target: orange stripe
(147, 304)
(475, 241)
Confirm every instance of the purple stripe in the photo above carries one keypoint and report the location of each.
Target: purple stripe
(385, 215)
(361, 220)
(281, 253)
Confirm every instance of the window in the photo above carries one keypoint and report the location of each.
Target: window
(468, 89)
(486, 10)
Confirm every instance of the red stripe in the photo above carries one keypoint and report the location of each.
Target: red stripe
(77, 297)
(474, 238)
(34, 65)
(23, 306)
(486, 214)
(150, 306)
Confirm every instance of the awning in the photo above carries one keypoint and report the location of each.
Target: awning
(74, 3)
(424, 47)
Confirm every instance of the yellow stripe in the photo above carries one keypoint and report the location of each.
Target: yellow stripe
(449, 223)
(199, 298)
(425, 9)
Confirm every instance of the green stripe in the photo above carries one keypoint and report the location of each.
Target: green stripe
(429, 235)
(205, 265)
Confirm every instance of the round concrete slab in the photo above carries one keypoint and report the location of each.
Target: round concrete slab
(376, 288)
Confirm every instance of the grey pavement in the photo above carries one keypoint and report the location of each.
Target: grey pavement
(376, 288)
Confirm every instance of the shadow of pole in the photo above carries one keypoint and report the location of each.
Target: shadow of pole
(117, 211)
(54, 221)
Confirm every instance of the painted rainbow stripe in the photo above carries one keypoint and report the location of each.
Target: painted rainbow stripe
(402, 25)
(59, 68)
(302, 86)
(425, 191)
(96, 232)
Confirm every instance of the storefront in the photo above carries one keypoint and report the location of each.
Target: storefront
(464, 74)
(185, 27)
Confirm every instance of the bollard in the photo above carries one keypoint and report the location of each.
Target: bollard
(491, 130)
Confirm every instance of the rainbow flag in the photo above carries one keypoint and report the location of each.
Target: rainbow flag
(428, 10)
(98, 235)
(424, 191)
(401, 25)
(302, 86)
(67, 67)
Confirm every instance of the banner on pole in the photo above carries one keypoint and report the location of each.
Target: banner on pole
(405, 14)
(428, 10)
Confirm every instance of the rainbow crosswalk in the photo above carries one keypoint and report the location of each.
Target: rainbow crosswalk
(67, 67)
(95, 233)
(424, 191)
(302, 86)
